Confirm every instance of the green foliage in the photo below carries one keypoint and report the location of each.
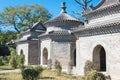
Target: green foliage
(5, 60)
(16, 60)
(22, 17)
(6, 37)
(13, 58)
(1, 60)
(32, 73)
(94, 75)
(13, 62)
(12, 52)
(20, 60)
(58, 67)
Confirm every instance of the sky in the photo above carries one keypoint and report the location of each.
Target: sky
(53, 6)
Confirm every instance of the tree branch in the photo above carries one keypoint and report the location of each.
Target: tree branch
(89, 1)
(16, 27)
(79, 3)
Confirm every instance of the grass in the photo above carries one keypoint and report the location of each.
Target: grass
(46, 75)
(6, 68)
(10, 76)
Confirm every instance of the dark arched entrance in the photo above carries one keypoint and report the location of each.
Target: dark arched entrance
(73, 58)
(21, 51)
(99, 58)
(45, 56)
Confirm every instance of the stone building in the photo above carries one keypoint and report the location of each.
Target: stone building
(67, 39)
(28, 44)
(99, 40)
(58, 42)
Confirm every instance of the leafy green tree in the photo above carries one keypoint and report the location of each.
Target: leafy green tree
(23, 17)
(7, 37)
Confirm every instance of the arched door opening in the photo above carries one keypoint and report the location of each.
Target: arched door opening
(21, 51)
(99, 58)
(73, 58)
(45, 56)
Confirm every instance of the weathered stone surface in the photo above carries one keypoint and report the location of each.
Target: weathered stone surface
(110, 42)
(23, 47)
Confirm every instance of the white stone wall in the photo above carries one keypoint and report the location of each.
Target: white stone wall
(108, 18)
(61, 52)
(45, 44)
(23, 47)
(111, 44)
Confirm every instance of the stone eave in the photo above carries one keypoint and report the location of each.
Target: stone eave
(25, 32)
(91, 31)
(25, 40)
(56, 35)
(21, 41)
(100, 10)
(59, 23)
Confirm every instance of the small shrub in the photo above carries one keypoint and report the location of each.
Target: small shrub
(50, 64)
(32, 73)
(12, 52)
(13, 62)
(94, 75)
(13, 58)
(58, 67)
(20, 60)
(88, 66)
(5, 60)
(21, 67)
(1, 60)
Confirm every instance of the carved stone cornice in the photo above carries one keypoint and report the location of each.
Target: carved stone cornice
(102, 30)
(58, 36)
(90, 11)
(99, 14)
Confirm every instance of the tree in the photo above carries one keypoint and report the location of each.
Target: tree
(23, 17)
(83, 3)
(7, 37)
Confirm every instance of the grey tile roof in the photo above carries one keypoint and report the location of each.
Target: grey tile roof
(104, 4)
(37, 27)
(62, 17)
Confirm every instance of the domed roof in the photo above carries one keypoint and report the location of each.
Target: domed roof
(62, 18)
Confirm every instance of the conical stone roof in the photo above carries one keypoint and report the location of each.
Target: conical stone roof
(63, 18)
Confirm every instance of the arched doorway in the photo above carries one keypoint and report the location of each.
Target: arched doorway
(73, 58)
(21, 51)
(45, 56)
(99, 58)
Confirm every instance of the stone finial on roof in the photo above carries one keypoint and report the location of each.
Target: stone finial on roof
(63, 8)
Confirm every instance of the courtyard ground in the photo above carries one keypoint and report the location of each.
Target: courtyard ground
(7, 73)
